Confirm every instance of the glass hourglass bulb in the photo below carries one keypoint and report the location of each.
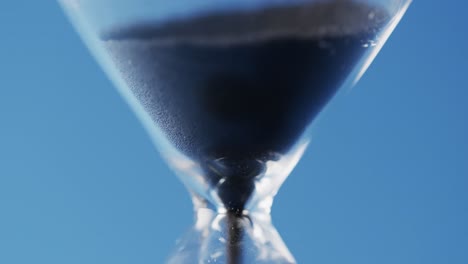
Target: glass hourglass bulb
(227, 90)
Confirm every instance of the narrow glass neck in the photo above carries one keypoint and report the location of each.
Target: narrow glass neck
(231, 238)
(232, 210)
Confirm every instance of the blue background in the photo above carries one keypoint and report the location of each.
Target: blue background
(385, 179)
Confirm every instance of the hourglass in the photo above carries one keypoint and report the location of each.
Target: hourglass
(227, 91)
